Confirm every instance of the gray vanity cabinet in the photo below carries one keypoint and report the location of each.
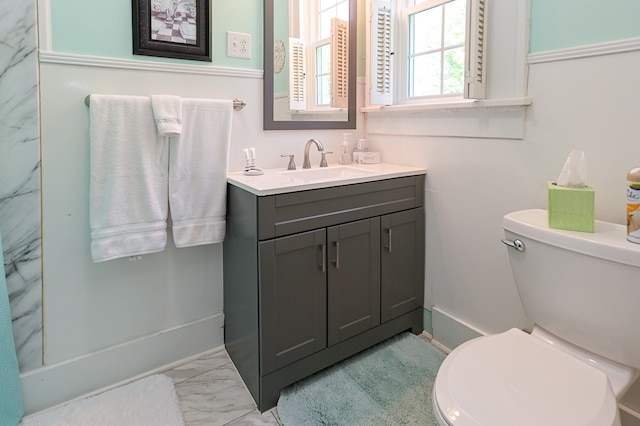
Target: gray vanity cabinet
(314, 277)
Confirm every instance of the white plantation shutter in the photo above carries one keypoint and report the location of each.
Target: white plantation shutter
(339, 63)
(381, 53)
(475, 86)
(297, 75)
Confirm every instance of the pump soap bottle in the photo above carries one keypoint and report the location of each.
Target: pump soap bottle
(633, 205)
(345, 156)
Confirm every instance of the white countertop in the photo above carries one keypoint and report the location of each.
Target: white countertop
(279, 181)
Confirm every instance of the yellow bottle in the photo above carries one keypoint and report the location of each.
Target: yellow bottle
(633, 205)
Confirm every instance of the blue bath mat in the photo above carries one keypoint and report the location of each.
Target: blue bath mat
(389, 384)
(11, 406)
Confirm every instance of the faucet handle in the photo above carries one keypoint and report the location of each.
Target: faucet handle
(292, 164)
(323, 161)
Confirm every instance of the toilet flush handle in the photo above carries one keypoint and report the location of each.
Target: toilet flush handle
(516, 244)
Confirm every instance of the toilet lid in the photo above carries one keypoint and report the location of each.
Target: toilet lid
(513, 378)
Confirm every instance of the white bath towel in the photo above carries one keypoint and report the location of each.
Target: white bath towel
(198, 162)
(167, 113)
(129, 178)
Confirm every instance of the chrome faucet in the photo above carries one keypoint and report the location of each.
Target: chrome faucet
(306, 164)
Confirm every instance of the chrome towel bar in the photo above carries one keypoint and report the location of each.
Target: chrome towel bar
(238, 104)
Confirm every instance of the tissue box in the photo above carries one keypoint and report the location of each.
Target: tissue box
(571, 208)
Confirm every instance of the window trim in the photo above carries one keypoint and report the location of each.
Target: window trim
(474, 88)
(454, 105)
(501, 116)
(469, 119)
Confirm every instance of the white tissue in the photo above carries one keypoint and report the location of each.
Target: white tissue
(574, 171)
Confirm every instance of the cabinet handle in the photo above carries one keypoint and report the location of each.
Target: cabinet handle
(337, 261)
(324, 256)
(388, 247)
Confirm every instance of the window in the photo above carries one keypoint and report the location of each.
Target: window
(435, 48)
(321, 48)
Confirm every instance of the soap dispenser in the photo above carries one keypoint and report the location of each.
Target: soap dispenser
(345, 156)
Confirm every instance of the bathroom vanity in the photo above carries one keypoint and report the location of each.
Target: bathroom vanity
(318, 266)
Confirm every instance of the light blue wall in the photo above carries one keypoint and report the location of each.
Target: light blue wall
(554, 25)
(244, 16)
(281, 32)
(104, 29)
(569, 23)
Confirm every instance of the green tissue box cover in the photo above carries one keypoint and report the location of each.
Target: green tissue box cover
(571, 208)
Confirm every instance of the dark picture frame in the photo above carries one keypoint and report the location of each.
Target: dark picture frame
(172, 29)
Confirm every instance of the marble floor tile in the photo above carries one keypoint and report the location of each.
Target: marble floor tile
(256, 419)
(198, 367)
(216, 408)
(212, 393)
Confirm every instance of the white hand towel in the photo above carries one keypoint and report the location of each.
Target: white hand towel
(167, 112)
(198, 163)
(129, 178)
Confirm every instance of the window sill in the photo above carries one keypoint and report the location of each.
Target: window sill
(451, 106)
(485, 119)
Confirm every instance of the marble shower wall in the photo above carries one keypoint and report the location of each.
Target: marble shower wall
(20, 223)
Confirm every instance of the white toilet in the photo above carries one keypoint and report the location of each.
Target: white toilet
(582, 291)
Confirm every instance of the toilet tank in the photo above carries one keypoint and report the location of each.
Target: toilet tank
(582, 287)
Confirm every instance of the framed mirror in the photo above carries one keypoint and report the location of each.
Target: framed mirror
(310, 64)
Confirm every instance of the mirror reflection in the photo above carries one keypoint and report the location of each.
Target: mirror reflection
(309, 64)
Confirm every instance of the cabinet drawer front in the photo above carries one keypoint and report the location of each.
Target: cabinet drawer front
(286, 214)
(293, 299)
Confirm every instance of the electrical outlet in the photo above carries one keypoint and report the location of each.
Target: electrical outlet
(238, 45)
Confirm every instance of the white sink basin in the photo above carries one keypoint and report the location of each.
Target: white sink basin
(280, 181)
(327, 173)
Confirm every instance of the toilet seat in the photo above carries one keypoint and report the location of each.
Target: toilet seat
(513, 378)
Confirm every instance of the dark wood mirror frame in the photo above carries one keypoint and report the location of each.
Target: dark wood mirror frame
(269, 122)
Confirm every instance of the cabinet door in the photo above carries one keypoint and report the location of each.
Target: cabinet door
(402, 263)
(293, 298)
(354, 279)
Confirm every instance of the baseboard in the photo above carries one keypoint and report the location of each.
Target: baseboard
(630, 405)
(450, 331)
(427, 322)
(86, 375)
(628, 416)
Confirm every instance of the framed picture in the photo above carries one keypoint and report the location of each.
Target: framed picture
(172, 29)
